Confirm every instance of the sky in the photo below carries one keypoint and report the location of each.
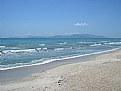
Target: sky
(60, 17)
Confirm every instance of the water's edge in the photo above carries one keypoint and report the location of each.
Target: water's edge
(52, 60)
(7, 76)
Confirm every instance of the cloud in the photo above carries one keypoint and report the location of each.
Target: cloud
(82, 24)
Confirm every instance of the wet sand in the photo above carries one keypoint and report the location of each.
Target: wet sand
(99, 73)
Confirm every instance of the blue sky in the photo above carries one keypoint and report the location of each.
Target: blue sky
(51, 17)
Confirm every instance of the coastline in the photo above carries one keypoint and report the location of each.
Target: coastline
(85, 75)
(11, 74)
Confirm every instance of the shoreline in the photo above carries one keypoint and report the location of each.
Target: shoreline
(53, 60)
(63, 76)
(21, 72)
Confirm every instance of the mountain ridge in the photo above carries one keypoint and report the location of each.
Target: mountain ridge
(62, 36)
(78, 36)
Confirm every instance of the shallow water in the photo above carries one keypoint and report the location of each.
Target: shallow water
(20, 52)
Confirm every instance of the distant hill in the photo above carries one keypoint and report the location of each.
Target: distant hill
(62, 36)
(78, 36)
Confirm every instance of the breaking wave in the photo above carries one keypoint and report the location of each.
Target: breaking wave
(19, 65)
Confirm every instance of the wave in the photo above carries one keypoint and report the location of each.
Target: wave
(38, 49)
(44, 48)
(19, 51)
(2, 46)
(63, 43)
(22, 51)
(96, 45)
(56, 59)
(113, 43)
(41, 44)
(57, 49)
(85, 42)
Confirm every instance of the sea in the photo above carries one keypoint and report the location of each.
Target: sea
(22, 52)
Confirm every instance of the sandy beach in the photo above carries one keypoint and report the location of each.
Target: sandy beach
(99, 73)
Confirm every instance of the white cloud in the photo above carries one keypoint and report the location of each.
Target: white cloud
(28, 34)
(82, 24)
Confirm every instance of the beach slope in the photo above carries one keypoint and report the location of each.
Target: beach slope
(99, 73)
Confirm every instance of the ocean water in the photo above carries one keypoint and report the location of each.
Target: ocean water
(20, 52)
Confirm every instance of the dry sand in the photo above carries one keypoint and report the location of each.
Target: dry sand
(100, 73)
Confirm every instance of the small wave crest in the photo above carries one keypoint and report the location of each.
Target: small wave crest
(22, 51)
(41, 44)
(63, 43)
(86, 42)
(57, 49)
(40, 49)
(96, 45)
(2, 46)
(18, 51)
(113, 43)
(44, 48)
(40, 62)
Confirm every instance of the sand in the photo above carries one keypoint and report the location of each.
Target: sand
(99, 73)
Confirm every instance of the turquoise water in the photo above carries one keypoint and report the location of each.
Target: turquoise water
(19, 52)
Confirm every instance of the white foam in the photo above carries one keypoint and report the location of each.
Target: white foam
(2, 46)
(52, 60)
(41, 44)
(63, 43)
(57, 49)
(18, 51)
(44, 48)
(96, 45)
(21, 51)
(38, 49)
(113, 43)
(86, 42)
